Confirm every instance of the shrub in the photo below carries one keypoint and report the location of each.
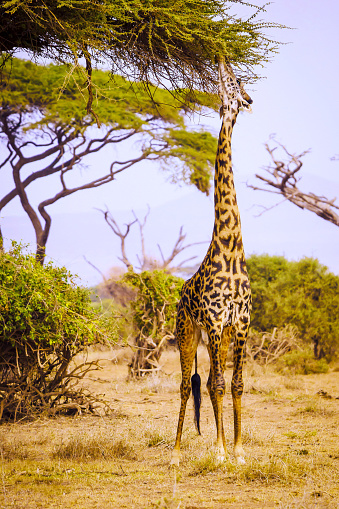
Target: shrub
(303, 294)
(302, 362)
(45, 321)
(154, 313)
(266, 347)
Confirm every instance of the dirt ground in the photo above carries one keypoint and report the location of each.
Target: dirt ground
(121, 460)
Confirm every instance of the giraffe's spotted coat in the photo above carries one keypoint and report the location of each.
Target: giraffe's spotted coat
(217, 298)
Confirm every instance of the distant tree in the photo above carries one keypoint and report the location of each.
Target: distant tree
(303, 294)
(45, 134)
(283, 178)
(173, 43)
(145, 261)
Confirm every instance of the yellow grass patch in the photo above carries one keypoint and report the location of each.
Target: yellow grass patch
(290, 435)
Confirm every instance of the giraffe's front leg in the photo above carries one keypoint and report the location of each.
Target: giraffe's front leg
(185, 393)
(239, 452)
(237, 390)
(220, 447)
(220, 450)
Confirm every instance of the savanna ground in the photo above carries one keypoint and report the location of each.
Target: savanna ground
(290, 435)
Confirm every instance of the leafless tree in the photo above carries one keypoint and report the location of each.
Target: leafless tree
(145, 261)
(282, 178)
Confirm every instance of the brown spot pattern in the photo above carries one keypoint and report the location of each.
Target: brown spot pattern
(217, 298)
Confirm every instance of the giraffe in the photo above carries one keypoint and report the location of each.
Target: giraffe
(216, 300)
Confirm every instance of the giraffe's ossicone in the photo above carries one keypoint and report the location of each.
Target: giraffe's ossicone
(217, 298)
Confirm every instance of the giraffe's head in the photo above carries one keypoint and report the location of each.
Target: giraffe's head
(231, 91)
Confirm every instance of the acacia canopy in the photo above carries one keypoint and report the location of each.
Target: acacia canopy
(46, 138)
(172, 42)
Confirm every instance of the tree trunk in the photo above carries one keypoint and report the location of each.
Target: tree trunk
(1, 242)
(317, 349)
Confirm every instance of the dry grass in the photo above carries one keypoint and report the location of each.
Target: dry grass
(86, 448)
(316, 408)
(120, 461)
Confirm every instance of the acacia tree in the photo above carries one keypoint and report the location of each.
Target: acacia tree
(46, 137)
(282, 177)
(172, 43)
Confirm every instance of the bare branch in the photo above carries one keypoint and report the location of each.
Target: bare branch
(142, 238)
(145, 261)
(96, 268)
(5, 161)
(117, 231)
(63, 141)
(284, 180)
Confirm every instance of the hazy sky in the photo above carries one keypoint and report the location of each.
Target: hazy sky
(297, 100)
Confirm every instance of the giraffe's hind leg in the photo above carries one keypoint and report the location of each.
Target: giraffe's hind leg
(237, 386)
(217, 400)
(188, 338)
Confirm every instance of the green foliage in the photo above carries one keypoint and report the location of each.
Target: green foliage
(304, 294)
(41, 306)
(48, 103)
(302, 362)
(197, 150)
(115, 318)
(26, 86)
(168, 41)
(45, 321)
(156, 302)
(154, 314)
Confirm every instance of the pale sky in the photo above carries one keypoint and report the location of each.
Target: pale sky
(297, 100)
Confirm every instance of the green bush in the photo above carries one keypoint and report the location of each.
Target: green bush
(45, 321)
(154, 315)
(303, 294)
(156, 303)
(302, 362)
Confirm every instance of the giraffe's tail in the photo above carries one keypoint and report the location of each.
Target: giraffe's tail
(196, 392)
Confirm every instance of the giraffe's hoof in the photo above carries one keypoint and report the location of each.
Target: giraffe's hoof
(220, 458)
(220, 455)
(175, 459)
(240, 460)
(239, 455)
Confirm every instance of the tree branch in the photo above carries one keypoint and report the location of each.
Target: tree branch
(146, 262)
(117, 231)
(142, 237)
(283, 179)
(93, 146)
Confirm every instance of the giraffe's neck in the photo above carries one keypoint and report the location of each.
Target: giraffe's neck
(227, 219)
